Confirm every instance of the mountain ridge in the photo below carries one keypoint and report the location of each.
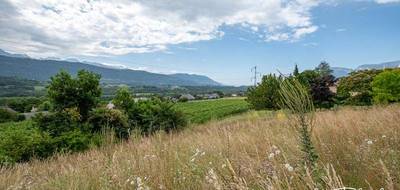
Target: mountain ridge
(42, 70)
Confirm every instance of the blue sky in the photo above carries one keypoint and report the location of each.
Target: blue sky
(225, 43)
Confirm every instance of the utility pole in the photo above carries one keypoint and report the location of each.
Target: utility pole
(254, 69)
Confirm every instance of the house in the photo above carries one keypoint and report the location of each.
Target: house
(187, 96)
(213, 96)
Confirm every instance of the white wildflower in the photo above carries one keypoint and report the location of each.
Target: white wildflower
(277, 151)
(212, 178)
(289, 167)
(369, 142)
(383, 136)
(271, 155)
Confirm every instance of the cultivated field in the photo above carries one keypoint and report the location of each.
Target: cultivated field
(205, 110)
(358, 147)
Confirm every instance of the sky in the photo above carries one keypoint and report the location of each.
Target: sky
(222, 39)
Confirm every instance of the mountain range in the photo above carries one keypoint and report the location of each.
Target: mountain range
(19, 65)
(342, 71)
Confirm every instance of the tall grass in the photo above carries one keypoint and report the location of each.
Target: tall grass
(357, 148)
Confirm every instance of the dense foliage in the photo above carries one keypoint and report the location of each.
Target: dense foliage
(82, 92)
(76, 119)
(266, 94)
(149, 116)
(318, 82)
(356, 88)
(386, 87)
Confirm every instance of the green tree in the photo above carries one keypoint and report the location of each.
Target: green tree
(296, 71)
(123, 99)
(386, 87)
(323, 69)
(266, 94)
(356, 88)
(82, 92)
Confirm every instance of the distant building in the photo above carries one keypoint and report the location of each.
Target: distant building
(34, 109)
(213, 96)
(187, 96)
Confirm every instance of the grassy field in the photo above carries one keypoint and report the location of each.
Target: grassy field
(202, 111)
(358, 147)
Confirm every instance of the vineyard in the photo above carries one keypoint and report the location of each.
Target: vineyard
(203, 111)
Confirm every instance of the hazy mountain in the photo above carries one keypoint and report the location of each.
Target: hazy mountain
(391, 64)
(198, 79)
(3, 53)
(340, 71)
(42, 70)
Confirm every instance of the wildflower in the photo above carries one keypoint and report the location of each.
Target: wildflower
(212, 178)
(369, 142)
(383, 136)
(271, 155)
(289, 167)
(277, 152)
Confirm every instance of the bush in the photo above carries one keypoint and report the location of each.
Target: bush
(21, 141)
(150, 115)
(59, 122)
(266, 94)
(356, 88)
(23, 104)
(157, 114)
(103, 118)
(6, 115)
(72, 141)
(386, 87)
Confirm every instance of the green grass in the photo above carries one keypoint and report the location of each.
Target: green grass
(206, 110)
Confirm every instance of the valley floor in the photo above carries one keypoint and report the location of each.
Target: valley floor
(358, 147)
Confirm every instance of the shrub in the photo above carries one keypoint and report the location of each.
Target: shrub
(23, 104)
(6, 115)
(266, 94)
(386, 87)
(356, 88)
(158, 114)
(72, 141)
(21, 141)
(103, 118)
(59, 122)
(150, 115)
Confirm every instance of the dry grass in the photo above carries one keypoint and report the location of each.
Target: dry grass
(358, 147)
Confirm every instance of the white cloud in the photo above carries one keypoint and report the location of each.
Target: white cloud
(387, 1)
(341, 30)
(67, 28)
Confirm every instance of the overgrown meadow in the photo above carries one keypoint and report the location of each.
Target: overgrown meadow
(358, 148)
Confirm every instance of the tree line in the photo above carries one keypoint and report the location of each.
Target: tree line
(78, 120)
(365, 87)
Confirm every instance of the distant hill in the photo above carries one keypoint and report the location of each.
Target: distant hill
(341, 71)
(41, 70)
(391, 64)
